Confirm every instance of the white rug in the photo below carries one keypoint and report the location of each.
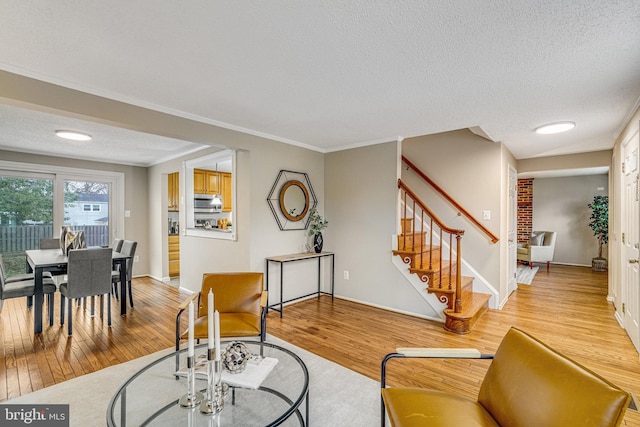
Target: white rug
(337, 396)
(525, 274)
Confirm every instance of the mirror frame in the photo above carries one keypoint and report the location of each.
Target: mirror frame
(275, 199)
(284, 209)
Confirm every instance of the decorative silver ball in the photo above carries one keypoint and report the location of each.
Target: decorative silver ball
(235, 357)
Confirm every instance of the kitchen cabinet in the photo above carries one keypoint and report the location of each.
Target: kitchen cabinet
(205, 182)
(174, 255)
(227, 192)
(174, 191)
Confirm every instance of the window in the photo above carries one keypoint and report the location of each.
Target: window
(91, 220)
(88, 208)
(26, 215)
(42, 198)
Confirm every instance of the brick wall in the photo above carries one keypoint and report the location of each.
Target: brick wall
(525, 209)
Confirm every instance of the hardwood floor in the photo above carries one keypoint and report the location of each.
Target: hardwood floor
(30, 364)
(565, 308)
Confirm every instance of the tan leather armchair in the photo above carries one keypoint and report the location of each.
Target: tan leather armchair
(540, 248)
(527, 384)
(239, 298)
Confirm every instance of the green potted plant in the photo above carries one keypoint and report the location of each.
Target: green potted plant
(316, 225)
(599, 223)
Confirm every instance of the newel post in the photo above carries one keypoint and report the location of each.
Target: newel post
(458, 302)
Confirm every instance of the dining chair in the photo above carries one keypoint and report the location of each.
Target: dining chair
(128, 248)
(239, 297)
(50, 243)
(88, 275)
(117, 244)
(117, 247)
(19, 286)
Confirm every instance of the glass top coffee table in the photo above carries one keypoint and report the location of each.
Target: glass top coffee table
(150, 397)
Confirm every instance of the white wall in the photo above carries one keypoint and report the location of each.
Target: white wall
(560, 205)
(362, 205)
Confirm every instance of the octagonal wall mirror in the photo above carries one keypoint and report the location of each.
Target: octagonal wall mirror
(291, 198)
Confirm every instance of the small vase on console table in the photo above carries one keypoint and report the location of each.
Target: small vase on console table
(317, 242)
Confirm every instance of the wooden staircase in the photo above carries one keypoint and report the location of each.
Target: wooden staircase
(438, 270)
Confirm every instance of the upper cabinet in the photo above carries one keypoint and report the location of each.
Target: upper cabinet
(174, 191)
(227, 191)
(205, 182)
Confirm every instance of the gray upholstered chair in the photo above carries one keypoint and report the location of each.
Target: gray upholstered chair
(539, 249)
(50, 243)
(88, 275)
(117, 244)
(128, 248)
(23, 285)
(117, 247)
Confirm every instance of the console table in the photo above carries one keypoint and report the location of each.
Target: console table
(283, 259)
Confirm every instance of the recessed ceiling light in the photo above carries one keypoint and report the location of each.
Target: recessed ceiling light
(76, 136)
(555, 128)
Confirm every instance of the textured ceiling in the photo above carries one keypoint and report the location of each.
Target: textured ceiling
(336, 74)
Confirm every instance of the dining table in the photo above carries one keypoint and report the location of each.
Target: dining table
(55, 261)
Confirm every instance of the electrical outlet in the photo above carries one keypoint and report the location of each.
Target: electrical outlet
(345, 274)
(136, 259)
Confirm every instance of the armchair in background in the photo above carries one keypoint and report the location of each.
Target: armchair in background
(539, 249)
(526, 384)
(239, 297)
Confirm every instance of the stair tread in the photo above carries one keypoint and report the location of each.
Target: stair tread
(415, 250)
(466, 283)
(475, 303)
(436, 267)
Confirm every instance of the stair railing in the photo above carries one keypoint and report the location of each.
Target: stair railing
(421, 215)
(461, 210)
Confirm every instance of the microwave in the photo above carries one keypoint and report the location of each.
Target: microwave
(207, 203)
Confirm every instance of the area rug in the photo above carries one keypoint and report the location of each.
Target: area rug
(525, 274)
(338, 396)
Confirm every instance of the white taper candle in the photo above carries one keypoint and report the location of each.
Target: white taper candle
(210, 310)
(217, 354)
(191, 349)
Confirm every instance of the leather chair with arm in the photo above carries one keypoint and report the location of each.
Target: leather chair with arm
(541, 251)
(240, 299)
(88, 275)
(527, 384)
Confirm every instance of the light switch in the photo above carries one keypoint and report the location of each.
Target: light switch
(127, 214)
(486, 215)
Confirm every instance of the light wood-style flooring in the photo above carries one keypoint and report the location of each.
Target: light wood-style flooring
(566, 308)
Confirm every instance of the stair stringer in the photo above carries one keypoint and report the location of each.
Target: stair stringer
(420, 287)
(480, 284)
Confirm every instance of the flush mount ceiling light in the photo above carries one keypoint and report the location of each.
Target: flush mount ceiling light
(75, 136)
(555, 128)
